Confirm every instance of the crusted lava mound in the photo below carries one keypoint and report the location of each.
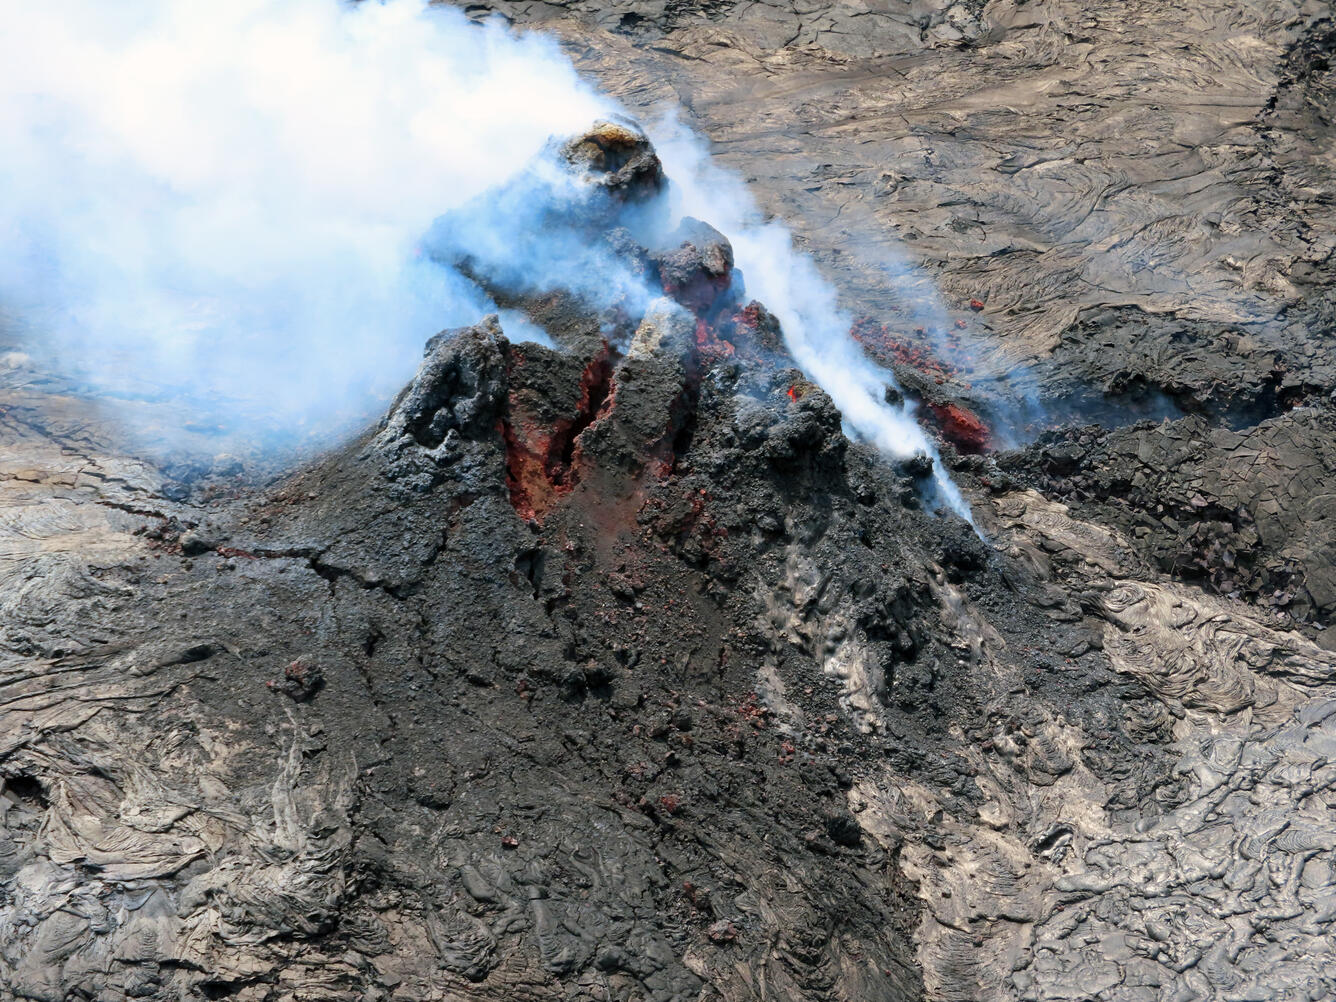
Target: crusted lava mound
(616, 671)
(555, 682)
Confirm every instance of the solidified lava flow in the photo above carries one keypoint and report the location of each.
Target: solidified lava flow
(606, 665)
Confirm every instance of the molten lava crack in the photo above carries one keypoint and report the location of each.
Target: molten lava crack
(542, 463)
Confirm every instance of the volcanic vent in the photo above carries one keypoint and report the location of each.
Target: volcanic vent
(616, 670)
(649, 308)
(550, 682)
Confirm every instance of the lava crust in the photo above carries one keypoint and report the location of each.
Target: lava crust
(618, 671)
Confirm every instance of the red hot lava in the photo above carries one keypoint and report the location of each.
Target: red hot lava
(542, 456)
(959, 425)
(890, 349)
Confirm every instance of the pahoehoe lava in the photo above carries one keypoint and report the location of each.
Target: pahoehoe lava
(616, 670)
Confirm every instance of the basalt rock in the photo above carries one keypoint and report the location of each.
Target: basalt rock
(620, 672)
(618, 157)
(522, 748)
(695, 266)
(1239, 513)
(457, 390)
(725, 705)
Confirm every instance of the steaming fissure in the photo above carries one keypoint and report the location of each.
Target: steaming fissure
(623, 644)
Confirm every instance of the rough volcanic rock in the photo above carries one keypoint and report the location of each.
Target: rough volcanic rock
(653, 397)
(1247, 513)
(618, 157)
(730, 717)
(537, 759)
(695, 266)
(748, 716)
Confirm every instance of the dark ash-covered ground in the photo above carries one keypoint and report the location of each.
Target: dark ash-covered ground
(621, 673)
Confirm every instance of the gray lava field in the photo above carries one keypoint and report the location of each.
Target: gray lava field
(619, 669)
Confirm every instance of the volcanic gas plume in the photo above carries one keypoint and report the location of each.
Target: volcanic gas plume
(227, 206)
(221, 202)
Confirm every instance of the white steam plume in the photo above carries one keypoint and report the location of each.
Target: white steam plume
(816, 329)
(224, 198)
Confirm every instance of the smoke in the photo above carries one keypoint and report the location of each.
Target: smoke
(1005, 390)
(816, 328)
(229, 203)
(222, 200)
(518, 327)
(532, 233)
